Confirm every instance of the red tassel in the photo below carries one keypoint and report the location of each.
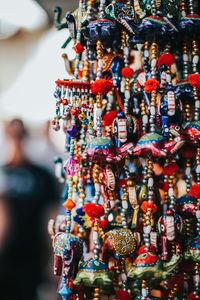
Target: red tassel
(165, 59)
(104, 224)
(142, 249)
(127, 72)
(122, 295)
(150, 85)
(194, 80)
(93, 210)
(78, 48)
(102, 86)
(188, 151)
(170, 169)
(109, 118)
(145, 205)
(195, 191)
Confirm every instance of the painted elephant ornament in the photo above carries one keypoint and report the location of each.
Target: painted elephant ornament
(120, 241)
(68, 250)
(193, 251)
(148, 265)
(170, 112)
(103, 30)
(124, 128)
(102, 149)
(112, 65)
(170, 226)
(122, 14)
(150, 143)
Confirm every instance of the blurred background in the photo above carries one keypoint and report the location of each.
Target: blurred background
(30, 60)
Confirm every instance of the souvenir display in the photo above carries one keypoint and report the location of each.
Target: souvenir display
(131, 117)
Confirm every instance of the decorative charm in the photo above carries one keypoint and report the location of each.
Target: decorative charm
(131, 119)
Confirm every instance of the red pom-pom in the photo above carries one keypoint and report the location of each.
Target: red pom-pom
(188, 151)
(193, 297)
(195, 191)
(194, 80)
(150, 85)
(109, 118)
(102, 86)
(145, 205)
(170, 169)
(93, 210)
(104, 224)
(127, 72)
(166, 59)
(121, 182)
(122, 295)
(78, 48)
(165, 186)
(142, 249)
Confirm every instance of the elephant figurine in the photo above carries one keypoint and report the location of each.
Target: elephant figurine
(122, 13)
(103, 30)
(170, 226)
(169, 112)
(124, 128)
(152, 29)
(68, 251)
(149, 266)
(119, 242)
(79, 15)
(107, 181)
(68, 248)
(112, 65)
(143, 8)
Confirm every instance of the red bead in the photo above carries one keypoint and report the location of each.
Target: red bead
(64, 101)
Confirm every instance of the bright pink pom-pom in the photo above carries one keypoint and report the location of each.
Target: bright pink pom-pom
(102, 86)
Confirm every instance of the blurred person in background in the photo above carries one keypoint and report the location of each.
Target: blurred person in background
(27, 193)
